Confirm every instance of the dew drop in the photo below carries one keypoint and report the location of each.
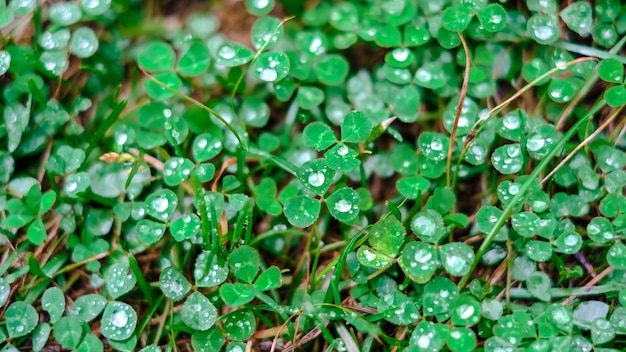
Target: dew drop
(343, 150)
(316, 179)
(343, 206)
(119, 318)
(160, 204)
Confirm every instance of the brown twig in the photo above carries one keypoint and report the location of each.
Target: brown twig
(582, 144)
(591, 282)
(459, 107)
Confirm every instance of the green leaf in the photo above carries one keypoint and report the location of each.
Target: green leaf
(615, 96)
(570, 242)
(95, 7)
(207, 341)
(16, 118)
(430, 76)
(398, 308)
(428, 336)
(173, 284)
(5, 289)
(36, 232)
(342, 158)
(493, 17)
(428, 226)
(53, 302)
(465, 310)
(434, 146)
(399, 57)
(616, 256)
(508, 159)
(150, 232)
(309, 97)
(68, 332)
(578, 17)
(266, 31)
(84, 42)
(387, 236)
(456, 18)
(271, 67)
(5, 61)
(233, 54)
(461, 339)
(545, 6)
(185, 227)
(412, 187)
(407, 103)
(198, 312)
(194, 60)
(206, 146)
(316, 176)
(457, 258)
(236, 294)
(87, 307)
(544, 29)
(388, 36)
(20, 319)
(169, 79)
(344, 16)
(239, 325)
(259, 7)
(40, 336)
(419, 261)
(119, 321)
(371, 258)
(76, 184)
(118, 280)
(302, 211)
(539, 251)
(602, 331)
(318, 135)
(65, 13)
(332, 69)
(540, 285)
(355, 127)
(157, 56)
(161, 204)
(487, 217)
(270, 278)
(244, 262)
(209, 270)
(176, 170)
(343, 204)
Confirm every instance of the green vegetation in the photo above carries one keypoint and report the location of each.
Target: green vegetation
(375, 175)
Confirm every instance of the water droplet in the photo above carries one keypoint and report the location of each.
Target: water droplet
(119, 318)
(535, 144)
(511, 122)
(316, 179)
(436, 145)
(343, 206)
(544, 32)
(571, 240)
(268, 74)
(400, 54)
(342, 151)
(71, 186)
(160, 204)
(423, 341)
(227, 52)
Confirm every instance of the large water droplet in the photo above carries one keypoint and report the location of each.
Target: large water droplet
(160, 204)
(343, 206)
(316, 179)
(119, 318)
